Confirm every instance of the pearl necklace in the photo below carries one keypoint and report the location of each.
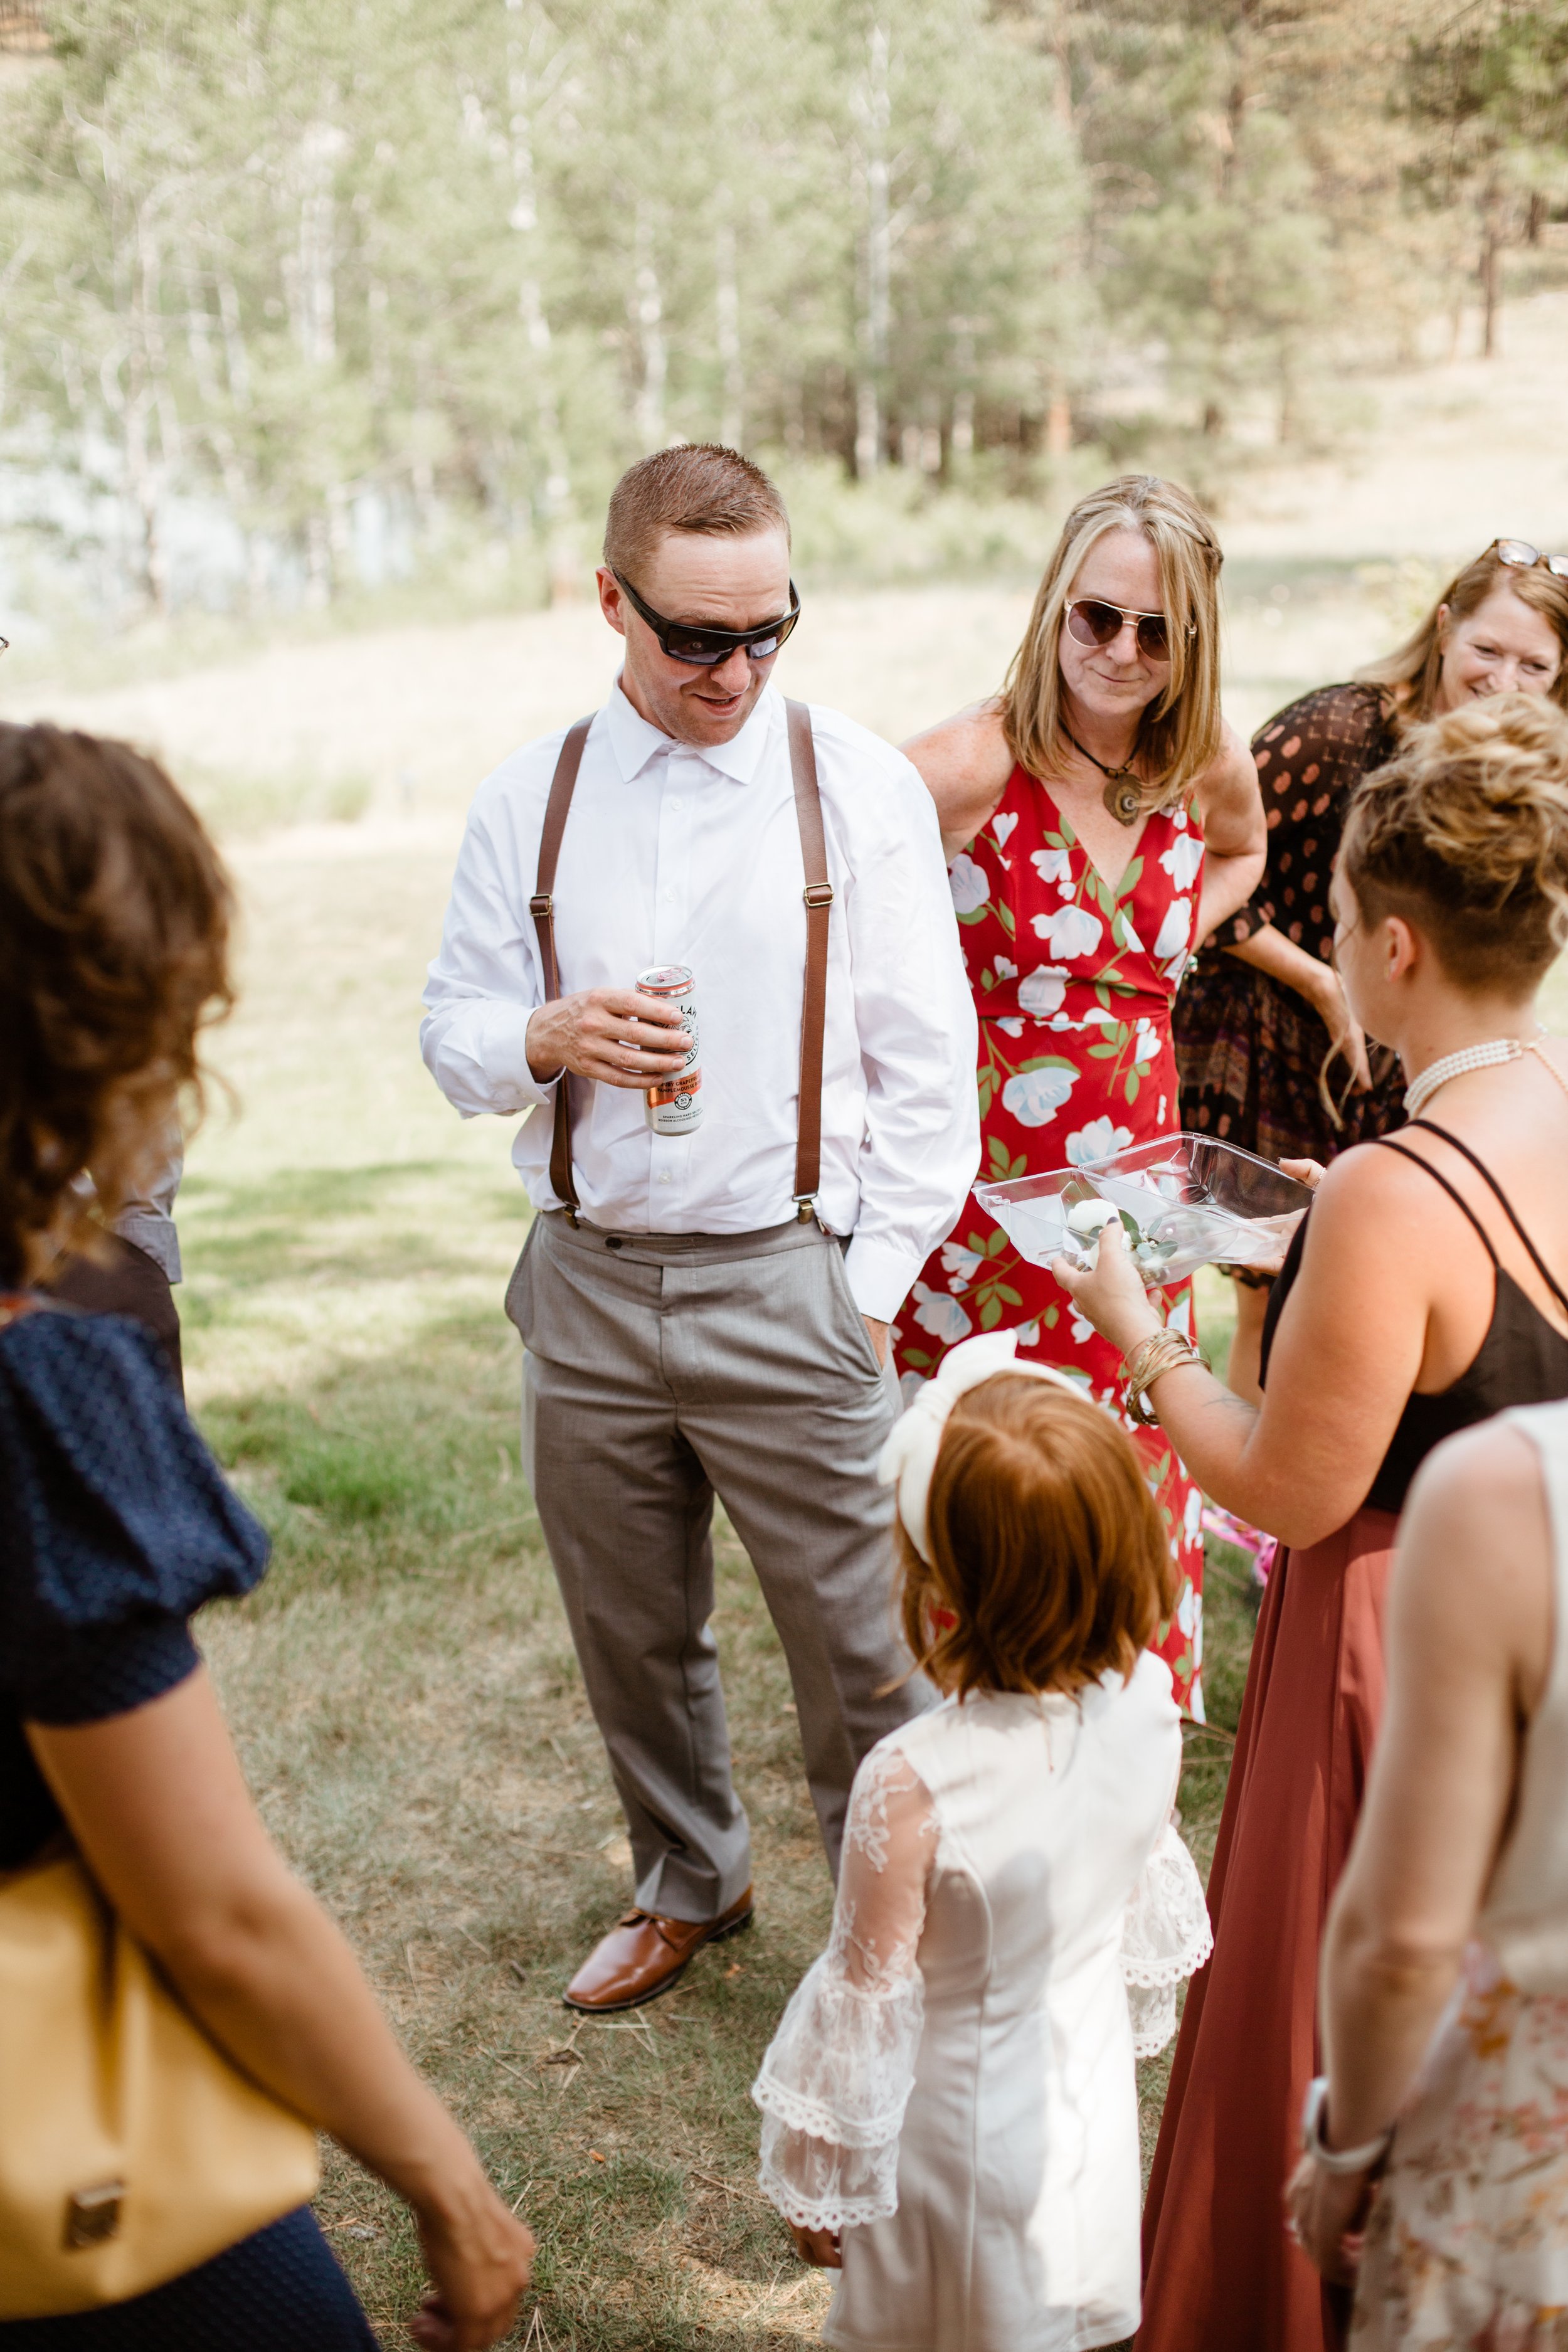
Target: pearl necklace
(1419, 1092)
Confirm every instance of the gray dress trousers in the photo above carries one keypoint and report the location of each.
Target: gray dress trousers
(661, 1370)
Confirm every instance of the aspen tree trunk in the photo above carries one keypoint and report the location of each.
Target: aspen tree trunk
(237, 368)
(727, 308)
(316, 329)
(219, 439)
(144, 393)
(1492, 270)
(648, 318)
(1059, 416)
(877, 271)
(556, 507)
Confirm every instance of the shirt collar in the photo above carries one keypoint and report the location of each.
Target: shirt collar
(634, 741)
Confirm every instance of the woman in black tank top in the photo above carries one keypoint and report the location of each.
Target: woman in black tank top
(1415, 1299)
(1523, 1358)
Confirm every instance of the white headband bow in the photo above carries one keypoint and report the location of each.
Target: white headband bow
(909, 1456)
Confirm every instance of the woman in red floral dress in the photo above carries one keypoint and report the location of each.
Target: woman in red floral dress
(1101, 820)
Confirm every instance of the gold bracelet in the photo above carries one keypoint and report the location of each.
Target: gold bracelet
(1147, 1360)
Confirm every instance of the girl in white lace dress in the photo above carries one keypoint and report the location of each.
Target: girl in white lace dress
(950, 2109)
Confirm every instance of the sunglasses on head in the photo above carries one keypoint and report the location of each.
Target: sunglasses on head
(683, 641)
(1522, 556)
(1094, 624)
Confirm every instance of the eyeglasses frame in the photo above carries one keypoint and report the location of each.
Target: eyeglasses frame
(1190, 628)
(735, 639)
(1557, 564)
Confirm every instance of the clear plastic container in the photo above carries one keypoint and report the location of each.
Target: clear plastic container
(1185, 1199)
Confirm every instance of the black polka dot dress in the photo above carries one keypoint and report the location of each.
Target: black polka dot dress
(1250, 1051)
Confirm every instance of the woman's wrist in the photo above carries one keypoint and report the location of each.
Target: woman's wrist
(1135, 1330)
(1326, 996)
(1316, 2137)
(439, 2174)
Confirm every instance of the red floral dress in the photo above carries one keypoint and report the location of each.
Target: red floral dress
(1074, 982)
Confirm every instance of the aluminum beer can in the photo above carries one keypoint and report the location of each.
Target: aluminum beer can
(674, 1107)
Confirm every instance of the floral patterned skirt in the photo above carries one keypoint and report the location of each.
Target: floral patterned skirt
(1467, 2246)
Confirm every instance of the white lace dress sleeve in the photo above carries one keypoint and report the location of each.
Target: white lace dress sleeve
(838, 2072)
(1165, 1937)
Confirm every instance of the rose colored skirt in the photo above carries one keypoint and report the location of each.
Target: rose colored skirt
(1220, 2275)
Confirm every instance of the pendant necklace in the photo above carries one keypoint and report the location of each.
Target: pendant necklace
(1419, 1092)
(1123, 791)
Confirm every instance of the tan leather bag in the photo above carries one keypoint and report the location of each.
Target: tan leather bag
(131, 2148)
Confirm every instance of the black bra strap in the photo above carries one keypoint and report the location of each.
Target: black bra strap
(1482, 1170)
(1388, 1144)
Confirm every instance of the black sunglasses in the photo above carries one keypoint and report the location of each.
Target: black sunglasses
(683, 641)
(1094, 624)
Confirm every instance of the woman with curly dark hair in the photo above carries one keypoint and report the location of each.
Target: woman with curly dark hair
(1261, 1009)
(115, 1528)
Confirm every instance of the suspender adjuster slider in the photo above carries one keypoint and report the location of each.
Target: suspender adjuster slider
(542, 903)
(819, 894)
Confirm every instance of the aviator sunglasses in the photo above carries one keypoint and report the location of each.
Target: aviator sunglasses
(1094, 624)
(683, 641)
(1522, 556)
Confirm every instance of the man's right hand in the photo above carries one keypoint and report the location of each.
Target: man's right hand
(616, 1035)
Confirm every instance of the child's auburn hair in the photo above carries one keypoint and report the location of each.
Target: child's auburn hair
(1050, 1565)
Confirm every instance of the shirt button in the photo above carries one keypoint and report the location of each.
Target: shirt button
(663, 1176)
(670, 897)
(675, 801)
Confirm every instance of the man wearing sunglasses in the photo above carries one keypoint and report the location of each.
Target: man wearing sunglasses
(695, 1322)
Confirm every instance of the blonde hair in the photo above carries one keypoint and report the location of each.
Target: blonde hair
(1466, 835)
(1409, 676)
(1049, 1563)
(1179, 732)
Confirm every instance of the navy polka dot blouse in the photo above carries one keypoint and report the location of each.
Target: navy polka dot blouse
(115, 1526)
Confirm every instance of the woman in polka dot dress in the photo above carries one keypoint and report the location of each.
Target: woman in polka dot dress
(1104, 819)
(1269, 1057)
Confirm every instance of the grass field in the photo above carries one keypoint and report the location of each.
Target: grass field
(403, 1687)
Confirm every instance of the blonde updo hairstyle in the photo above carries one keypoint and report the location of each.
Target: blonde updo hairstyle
(1179, 732)
(1465, 834)
(1409, 676)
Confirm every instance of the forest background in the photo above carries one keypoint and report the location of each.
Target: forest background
(301, 299)
(323, 330)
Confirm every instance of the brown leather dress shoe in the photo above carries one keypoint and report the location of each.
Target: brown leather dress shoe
(643, 1955)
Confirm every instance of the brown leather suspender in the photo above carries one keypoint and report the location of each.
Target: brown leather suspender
(541, 906)
(818, 896)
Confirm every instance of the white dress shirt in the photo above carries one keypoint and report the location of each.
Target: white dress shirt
(676, 855)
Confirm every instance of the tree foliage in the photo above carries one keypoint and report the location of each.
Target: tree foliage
(335, 277)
